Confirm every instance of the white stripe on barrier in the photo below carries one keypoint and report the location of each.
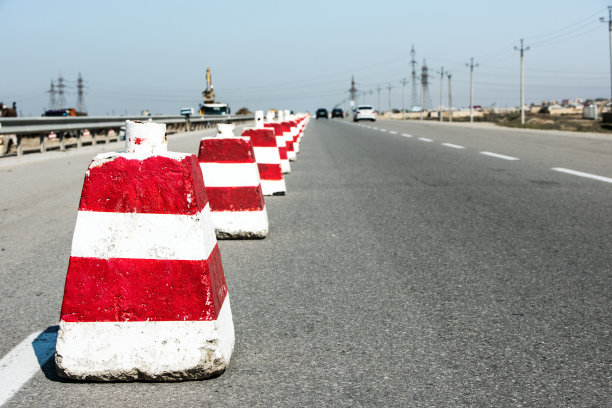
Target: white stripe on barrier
(230, 174)
(143, 236)
(267, 155)
(241, 222)
(269, 187)
(166, 346)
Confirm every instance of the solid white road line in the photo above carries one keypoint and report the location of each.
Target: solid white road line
(499, 156)
(406, 135)
(22, 362)
(454, 146)
(424, 139)
(581, 174)
(393, 132)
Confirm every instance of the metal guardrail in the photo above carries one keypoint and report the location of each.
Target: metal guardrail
(102, 129)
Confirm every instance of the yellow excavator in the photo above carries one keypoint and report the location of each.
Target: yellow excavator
(210, 107)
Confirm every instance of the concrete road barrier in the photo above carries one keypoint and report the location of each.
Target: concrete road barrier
(267, 157)
(145, 295)
(231, 176)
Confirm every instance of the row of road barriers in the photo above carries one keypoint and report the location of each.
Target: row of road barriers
(26, 135)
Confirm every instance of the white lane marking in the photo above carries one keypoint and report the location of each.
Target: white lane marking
(499, 156)
(581, 174)
(393, 132)
(406, 135)
(454, 146)
(24, 361)
(424, 139)
(375, 128)
(383, 130)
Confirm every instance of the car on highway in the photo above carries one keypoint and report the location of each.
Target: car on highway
(322, 113)
(337, 113)
(364, 112)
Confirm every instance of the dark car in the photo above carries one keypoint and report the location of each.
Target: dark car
(337, 113)
(322, 113)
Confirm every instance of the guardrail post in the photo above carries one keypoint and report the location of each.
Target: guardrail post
(43, 145)
(62, 142)
(19, 145)
(107, 138)
(93, 138)
(79, 134)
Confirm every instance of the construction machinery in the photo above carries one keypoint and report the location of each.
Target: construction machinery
(210, 107)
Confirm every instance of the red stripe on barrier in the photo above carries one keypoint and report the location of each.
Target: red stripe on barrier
(261, 137)
(156, 185)
(234, 150)
(119, 289)
(278, 130)
(282, 151)
(235, 198)
(270, 171)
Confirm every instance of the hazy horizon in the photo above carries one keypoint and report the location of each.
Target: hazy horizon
(153, 55)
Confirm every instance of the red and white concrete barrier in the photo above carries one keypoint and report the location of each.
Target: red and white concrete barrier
(231, 176)
(145, 295)
(267, 157)
(282, 120)
(281, 143)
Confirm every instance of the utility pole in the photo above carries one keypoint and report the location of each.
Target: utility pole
(441, 93)
(471, 65)
(404, 98)
(450, 100)
(371, 101)
(610, 30)
(389, 88)
(522, 50)
(352, 92)
(379, 89)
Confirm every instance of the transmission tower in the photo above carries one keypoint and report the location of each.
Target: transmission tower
(52, 92)
(353, 91)
(426, 98)
(61, 100)
(414, 96)
(80, 102)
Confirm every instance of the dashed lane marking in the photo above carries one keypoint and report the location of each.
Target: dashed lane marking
(424, 139)
(454, 146)
(406, 135)
(393, 132)
(582, 174)
(499, 156)
(383, 130)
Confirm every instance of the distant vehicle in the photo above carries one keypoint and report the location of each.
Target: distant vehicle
(187, 111)
(364, 112)
(61, 112)
(214, 109)
(322, 113)
(337, 113)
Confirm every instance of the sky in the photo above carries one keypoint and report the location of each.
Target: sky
(298, 55)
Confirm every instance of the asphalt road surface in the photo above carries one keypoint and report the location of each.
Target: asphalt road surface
(415, 264)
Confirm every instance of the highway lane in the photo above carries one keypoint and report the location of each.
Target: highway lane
(398, 272)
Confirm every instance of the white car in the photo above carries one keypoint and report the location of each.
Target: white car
(364, 112)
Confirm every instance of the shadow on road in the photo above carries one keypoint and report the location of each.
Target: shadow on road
(44, 348)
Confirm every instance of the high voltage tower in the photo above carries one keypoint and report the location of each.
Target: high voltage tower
(61, 100)
(353, 91)
(80, 102)
(57, 99)
(51, 92)
(413, 96)
(426, 98)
